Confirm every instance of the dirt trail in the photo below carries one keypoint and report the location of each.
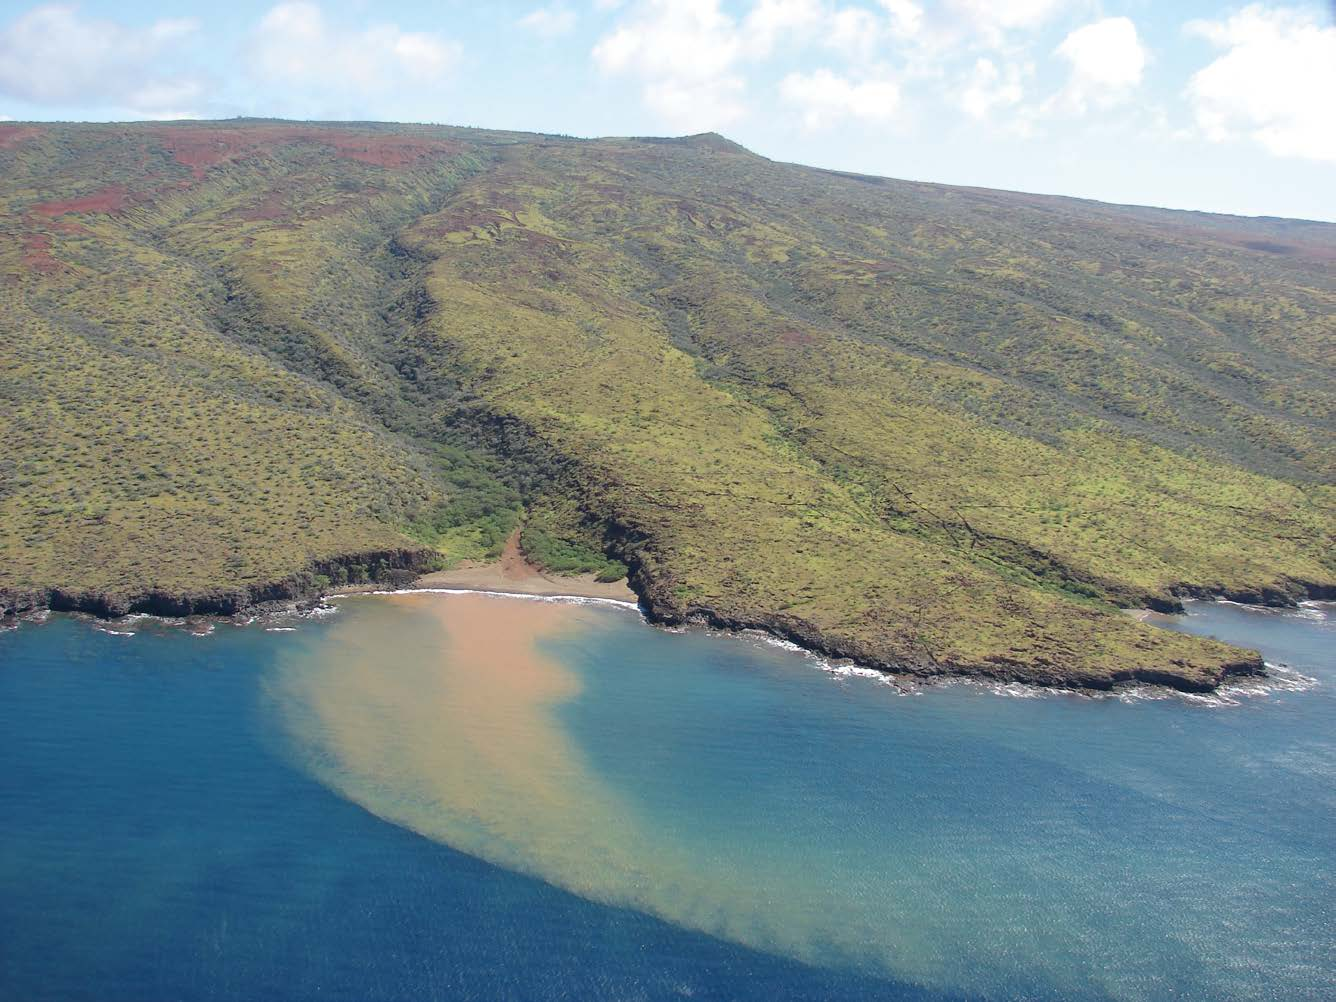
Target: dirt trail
(514, 574)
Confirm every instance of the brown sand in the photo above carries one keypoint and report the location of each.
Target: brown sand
(514, 575)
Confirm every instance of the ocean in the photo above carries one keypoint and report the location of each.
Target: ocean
(467, 797)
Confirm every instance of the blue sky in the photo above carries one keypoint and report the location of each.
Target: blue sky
(1223, 107)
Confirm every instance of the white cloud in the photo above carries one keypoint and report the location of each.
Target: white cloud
(940, 41)
(688, 40)
(770, 21)
(989, 89)
(906, 17)
(295, 47)
(826, 98)
(691, 56)
(686, 54)
(861, 34)
(53, 55)
(167, 100)
(1275, 82)
(854, 32)
(1106, 61)
(550, 22)
(697, 105)
(994, 18)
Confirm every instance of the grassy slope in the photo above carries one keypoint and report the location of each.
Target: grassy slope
(194, 396)
(930, 427)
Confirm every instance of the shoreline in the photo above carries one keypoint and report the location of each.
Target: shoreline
(509, 574)
(557, 597)
(458, 582)
(513, 575)
(583, 590)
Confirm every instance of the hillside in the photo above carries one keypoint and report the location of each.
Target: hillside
(933, 428)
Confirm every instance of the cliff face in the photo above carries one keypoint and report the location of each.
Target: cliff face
(393, 568)
(931, 428)
(1200, 674)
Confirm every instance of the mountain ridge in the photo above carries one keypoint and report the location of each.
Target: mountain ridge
(935, 429)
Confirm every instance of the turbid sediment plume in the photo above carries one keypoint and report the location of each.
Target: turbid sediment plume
(441, 713)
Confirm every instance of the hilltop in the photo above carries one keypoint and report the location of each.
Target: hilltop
(933, 428)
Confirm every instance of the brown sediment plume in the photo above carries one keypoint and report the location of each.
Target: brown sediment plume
(503, 742)
(438, 713)
(450, 705)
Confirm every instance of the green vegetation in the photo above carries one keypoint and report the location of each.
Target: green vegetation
(478, 514)
(935, 428)
(560, 541)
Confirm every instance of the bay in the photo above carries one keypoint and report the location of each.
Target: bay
(435, 796)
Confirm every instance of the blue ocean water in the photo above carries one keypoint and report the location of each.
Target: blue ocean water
(166, 833)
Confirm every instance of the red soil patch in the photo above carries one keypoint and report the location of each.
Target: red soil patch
(388, 151)
(514, 564)
(503, 202)
(12, 135)
(1299, 248)
(37, 254)
(110, 199)
(704, 214)
(269, 207)
(200, 148)
(794, 338)
(69, 226)
(321, 211)
(539, 241)
(882, 267)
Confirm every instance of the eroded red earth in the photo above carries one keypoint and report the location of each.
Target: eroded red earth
(199, 149)
(109, 199)
(12, 135)
(37, 254)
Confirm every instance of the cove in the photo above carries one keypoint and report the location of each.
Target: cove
(464, 797)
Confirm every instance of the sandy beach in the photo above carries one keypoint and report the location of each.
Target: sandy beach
(513, 574)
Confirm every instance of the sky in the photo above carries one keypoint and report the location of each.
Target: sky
(1196, 105)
